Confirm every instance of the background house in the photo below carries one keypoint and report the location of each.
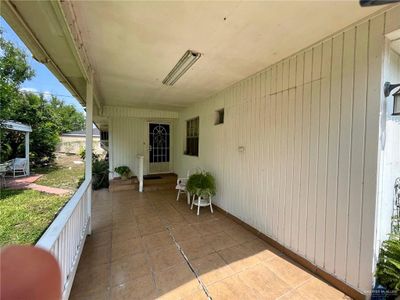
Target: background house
(73, 142)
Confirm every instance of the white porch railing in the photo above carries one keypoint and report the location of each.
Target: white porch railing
(66, 236)
(140, 172)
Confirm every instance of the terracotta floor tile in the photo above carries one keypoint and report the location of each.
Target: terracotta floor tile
(148, 229)
(126, 248)
(93, 280)
(141, 288)
(173, 219)
(240, 234)
(131, 255)
(124, 217)
(317, 289)
(220, 240)
(211, 268)
(176, 282)
(165, 258)
(261, 249)
(287, 271)
(293, 295)
(232, 288)
(96, 256)
(148, 219)
(184, 232)
(144, 210)
(197, 295)
(129, 268)
(208, 227)
(196, 247)
(155, 242)
(123, 234)
(264, 281)
(97, 239)
(238, 258)
(105, 295)
(130, 224)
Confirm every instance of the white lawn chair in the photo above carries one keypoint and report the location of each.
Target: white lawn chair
(181, 187)
(17, 165)
(3, 170)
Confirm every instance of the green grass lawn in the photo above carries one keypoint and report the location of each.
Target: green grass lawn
(25, 214)
(63, 174)
(61, 177)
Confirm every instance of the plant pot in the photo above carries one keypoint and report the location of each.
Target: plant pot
(124, 177)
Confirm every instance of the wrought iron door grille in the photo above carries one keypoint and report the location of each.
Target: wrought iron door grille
(159, 143)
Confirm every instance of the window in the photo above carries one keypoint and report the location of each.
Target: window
(192, 137)
(219, 117)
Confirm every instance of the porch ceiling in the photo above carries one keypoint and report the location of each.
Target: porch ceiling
(133, 45)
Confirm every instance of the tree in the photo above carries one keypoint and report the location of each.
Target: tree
(14, 70)
(48, 119)
(68, 118)
(34, 110)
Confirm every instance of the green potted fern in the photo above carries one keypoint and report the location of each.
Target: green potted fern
(388, 266)
(123, 171)
(201, 184)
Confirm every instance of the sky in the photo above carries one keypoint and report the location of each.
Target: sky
(44, 81)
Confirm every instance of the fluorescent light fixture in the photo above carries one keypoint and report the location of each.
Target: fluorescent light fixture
(187, 60)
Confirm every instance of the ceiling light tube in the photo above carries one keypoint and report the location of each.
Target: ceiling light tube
(187, 60)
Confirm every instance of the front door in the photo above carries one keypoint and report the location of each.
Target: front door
(159, 148)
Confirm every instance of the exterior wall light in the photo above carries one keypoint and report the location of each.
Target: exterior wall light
(388, 87)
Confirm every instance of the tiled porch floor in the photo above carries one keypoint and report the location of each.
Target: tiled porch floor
(131, 255)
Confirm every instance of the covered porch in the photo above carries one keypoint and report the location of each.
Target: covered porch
(286, 110)
(148, 245)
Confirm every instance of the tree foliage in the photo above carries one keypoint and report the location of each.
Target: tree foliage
(67, 117)
(14, 70)
(48, 119)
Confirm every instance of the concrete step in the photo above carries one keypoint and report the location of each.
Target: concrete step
(166, 182)
(159, 187)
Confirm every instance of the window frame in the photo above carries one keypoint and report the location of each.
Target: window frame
(192, 136)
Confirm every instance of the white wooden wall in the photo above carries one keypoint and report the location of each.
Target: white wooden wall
(310, 129)
(128, 134)
(389, 151)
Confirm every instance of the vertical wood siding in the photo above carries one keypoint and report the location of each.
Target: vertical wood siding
(309, 126)
(389, 151)
(129, 135)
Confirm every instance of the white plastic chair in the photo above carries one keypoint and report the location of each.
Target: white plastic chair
(181, 187)
(17, 165)
(3, 170)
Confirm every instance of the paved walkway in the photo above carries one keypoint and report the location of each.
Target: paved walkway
(28, 183)
(150, 246)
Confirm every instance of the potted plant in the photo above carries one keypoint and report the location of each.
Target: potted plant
(201, 184)
(123, 171)
(388, 266)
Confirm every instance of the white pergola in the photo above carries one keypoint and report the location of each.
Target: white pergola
(17, 126)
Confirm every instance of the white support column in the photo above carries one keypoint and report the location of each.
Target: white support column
(89, 145)
(27, 153)
(140, 170)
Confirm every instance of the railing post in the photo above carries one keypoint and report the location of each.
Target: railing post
(27, 169)
(89, 145)
(140, 170)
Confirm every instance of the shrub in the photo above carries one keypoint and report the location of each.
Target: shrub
(100, 174)
(201, 184)
(388, 267)
(82, 154)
